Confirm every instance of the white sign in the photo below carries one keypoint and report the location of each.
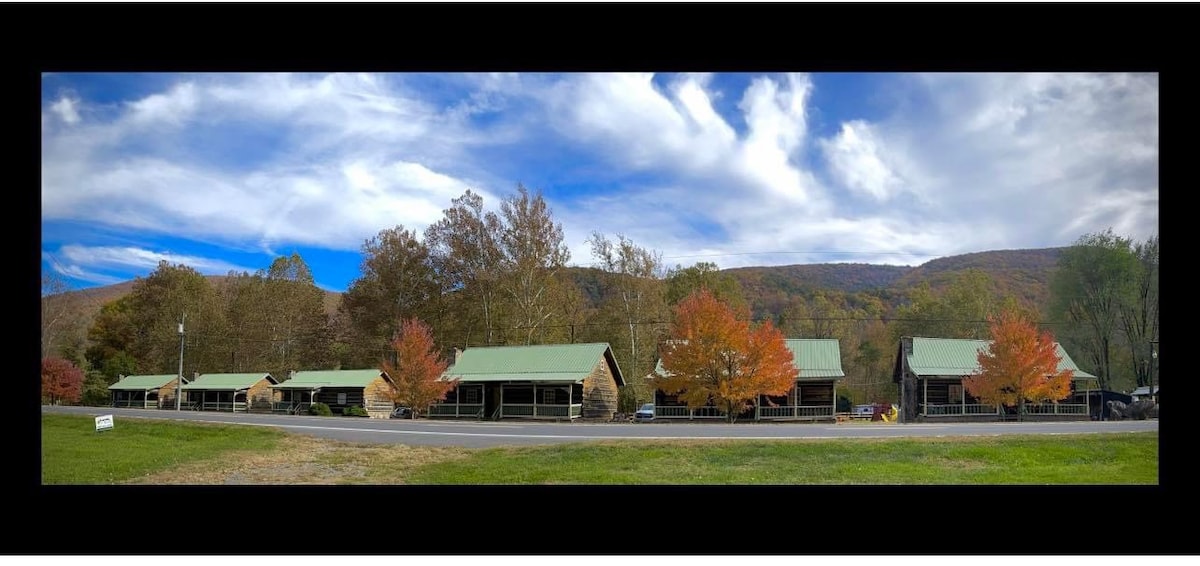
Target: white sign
(341, 398)
(104, 422)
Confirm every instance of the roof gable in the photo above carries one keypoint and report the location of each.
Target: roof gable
(331, 378)
(544, 362)
(959, 357)
(142, 382)
(815, 358)
(228, 381)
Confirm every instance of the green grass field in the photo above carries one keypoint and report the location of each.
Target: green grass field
(1075, 459)
(148, 451)
(74, 453)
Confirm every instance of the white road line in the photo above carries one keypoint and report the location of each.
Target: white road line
(573, 437)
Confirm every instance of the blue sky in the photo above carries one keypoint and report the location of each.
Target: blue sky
(226, 171)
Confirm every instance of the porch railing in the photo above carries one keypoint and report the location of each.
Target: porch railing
(1056, 409)
(540, 411)
(380, 406)
(455, 410)
(796, 412)
(682, 412)
(137, 404)
(957, 409)
(222, 406)
(282, 407)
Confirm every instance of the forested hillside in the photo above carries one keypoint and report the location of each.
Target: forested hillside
(479, 278)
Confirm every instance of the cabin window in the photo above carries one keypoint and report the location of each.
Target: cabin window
(548, 396)
(956, 394)
(471, 396)
(341, 399)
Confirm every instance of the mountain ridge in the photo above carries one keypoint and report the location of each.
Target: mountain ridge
(1024, 273)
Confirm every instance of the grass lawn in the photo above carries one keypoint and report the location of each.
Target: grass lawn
(1128, 458)
(161, 452)
(74, 453)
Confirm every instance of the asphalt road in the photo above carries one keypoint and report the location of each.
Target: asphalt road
(474, 434)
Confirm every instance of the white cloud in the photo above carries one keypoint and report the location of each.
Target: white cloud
(129, 257)
(961, 163)
(352, 156)
(1015, 160)
(854, 156)
(172, 108)
(65, 108)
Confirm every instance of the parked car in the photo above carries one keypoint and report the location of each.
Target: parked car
(863, 412)
(646, 413)
(402, 413)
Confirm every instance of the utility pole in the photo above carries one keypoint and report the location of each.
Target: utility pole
(1153, 356)
(179, 387)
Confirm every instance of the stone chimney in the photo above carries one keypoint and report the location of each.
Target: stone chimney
(291, 373)
(457, 354)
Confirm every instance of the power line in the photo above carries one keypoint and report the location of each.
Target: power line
(832, 252)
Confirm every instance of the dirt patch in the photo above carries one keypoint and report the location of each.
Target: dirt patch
(304, 460)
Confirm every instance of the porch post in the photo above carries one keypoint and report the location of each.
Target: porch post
(501, 400)
(1087, 399)
(925, 397)
(457, 399)
(795, 399)
(833, 409)
(570, 390)
(757, 405)
(962, 390)
(535, 398)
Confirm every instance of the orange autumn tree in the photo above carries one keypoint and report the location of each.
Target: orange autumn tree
(418, 368)
(1020, 365)
(716, 357)
(61, 381)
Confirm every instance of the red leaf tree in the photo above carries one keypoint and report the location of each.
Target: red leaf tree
(1020, 365)
(717, 357)
(418, 369)
(61, 381)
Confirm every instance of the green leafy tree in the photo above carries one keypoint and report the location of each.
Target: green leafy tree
(95, 389)
(397, 282)
(112, 333)
(465, 251)
(533, 253)
(1139, 309)
(1091, 282)
(683, 281)
(158, 302)
(961, 311)
(633, 292)
(299, 327)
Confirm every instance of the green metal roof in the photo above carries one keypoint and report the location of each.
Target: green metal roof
(959, 357)
(546, 362)
(816, 358)
(330, 378)
(142, 382)
(227, 381)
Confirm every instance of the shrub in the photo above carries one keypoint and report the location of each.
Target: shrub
(354, 411)
(844, 405)
(95, 390)
(320, 409)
